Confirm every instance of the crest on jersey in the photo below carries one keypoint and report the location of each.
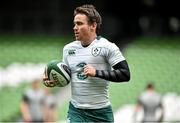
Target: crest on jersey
(96, 51)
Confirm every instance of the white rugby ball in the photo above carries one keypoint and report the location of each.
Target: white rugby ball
(58, 72)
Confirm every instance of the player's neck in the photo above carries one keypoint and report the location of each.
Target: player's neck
(88, 41)
(86, 44)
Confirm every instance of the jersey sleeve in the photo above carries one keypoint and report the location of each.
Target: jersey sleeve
(114, 54)
(65, 54)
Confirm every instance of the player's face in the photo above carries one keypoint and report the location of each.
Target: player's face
(35, 84)
(82, 29)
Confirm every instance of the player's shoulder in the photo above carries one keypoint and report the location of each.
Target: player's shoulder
(101, 39)
(72, 44)
(104, 42)
(28, 91)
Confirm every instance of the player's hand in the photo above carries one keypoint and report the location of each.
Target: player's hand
(89, 70)
(46, 81)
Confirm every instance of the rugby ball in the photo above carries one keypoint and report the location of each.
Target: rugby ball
(58, 72)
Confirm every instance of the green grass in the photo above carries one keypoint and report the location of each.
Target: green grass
(150, 60)
(10, 100)
(25, 49)
(30, 48)
(63, 111)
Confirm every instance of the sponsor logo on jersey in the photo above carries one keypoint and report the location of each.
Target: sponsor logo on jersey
(96, 51)
(72, 52)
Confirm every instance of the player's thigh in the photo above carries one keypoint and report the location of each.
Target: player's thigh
(75, 115)
(101, 115)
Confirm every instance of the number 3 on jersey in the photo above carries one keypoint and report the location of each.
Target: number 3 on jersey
(80, 71)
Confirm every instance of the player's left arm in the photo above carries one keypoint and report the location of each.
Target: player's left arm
(121, 72)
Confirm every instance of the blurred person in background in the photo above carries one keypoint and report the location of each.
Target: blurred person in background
(94, 62)
(50, 106)
(149, 102)
(32, 106)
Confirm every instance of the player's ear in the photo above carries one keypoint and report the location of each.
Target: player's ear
(93, 26)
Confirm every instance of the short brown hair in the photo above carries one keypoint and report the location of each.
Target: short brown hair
(92, 14)
(150, 86)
